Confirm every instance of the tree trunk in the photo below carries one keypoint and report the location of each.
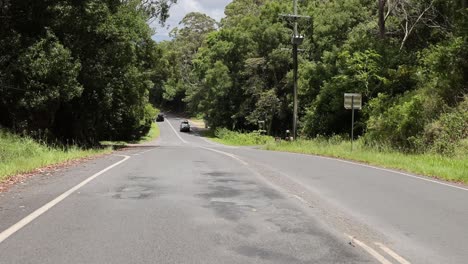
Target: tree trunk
(382, 18)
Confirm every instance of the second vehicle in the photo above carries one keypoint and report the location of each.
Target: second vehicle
(185, 126)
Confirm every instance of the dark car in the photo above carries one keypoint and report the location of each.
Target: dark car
(160, 118)
(185, 126)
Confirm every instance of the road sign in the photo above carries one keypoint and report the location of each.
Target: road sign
(353, 100)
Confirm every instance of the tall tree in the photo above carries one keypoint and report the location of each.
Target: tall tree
(79, 70)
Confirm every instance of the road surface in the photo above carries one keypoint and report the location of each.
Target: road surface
(183, 199)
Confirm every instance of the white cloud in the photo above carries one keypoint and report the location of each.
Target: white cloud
(213, 8)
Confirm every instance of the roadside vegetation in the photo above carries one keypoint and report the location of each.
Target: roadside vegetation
(24, 154)
(406, 58)
(452, 168)
(61, 81)
(227, 137)
(153, 134)
(79, 71)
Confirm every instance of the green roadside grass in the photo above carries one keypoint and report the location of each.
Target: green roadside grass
(442, 167)
(227, 137)
(152, 134)
(22, 155)
(450, 168)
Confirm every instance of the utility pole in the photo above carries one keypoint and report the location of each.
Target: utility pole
(295, 41)
(295, 45)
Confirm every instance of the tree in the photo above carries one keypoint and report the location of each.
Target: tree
(79, 69)
(394, 52)
(179, 53)
(266, 108)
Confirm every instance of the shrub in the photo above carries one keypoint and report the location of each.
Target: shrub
(449, 131)
(238, 138)
(400, 123)
(149, 116)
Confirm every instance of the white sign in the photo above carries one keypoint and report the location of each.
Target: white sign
(351, 99)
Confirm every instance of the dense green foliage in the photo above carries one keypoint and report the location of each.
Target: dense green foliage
(452, 168)
(407, 58)
(78, 71)
(228, 137)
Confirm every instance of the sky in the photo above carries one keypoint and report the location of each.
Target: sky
(213, 8)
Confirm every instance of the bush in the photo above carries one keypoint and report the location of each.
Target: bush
(242, 139)
(149, 116)
(400, 123)
(448, 132)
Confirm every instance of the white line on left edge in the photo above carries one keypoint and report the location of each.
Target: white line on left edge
(28, 219)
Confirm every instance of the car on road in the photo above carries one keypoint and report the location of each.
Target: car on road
(160, 118)
(184, 126)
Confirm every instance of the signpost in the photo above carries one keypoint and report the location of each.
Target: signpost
(352, 101)
(261, 127)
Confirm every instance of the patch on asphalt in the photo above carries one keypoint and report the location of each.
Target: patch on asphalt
(260, 253)
(134, 192)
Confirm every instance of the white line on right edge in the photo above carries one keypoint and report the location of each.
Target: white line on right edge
(31, 217)
(300, 199)
(401, 173)
(226, 154)
(177, 134)
(383, 169)
(392, 253)
(218, 145)
(369, 250)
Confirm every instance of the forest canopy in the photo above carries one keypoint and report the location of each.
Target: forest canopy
(85, 71)
(407, 58)
(78, 71)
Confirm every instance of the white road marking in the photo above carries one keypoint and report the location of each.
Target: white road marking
(141, 153)
(387, 170)
(370, 250)
(31, 217)
(177, 134)
(392, 253)
(218, 144)
(300, 198)
(226, 154)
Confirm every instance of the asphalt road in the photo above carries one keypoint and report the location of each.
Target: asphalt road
(183, 199)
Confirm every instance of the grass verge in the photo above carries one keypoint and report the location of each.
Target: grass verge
(447, 168)
(152, 134)
(227, 137)
(453, 169)
(23, 155)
